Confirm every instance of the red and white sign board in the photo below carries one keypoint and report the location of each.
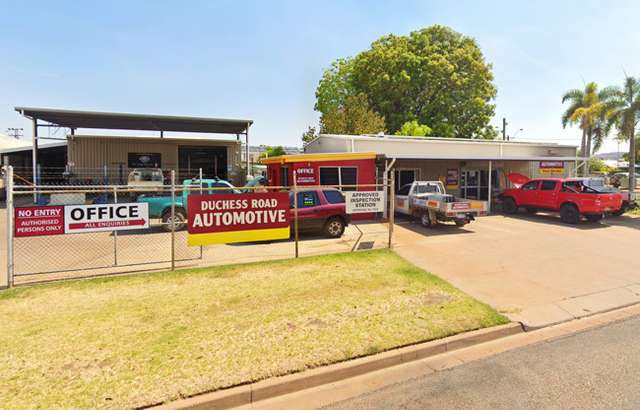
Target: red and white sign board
(306, 176)
(232, 218)
(57, 220)
(39, 220)
(105, 217)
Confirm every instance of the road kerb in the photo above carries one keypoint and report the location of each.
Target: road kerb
(277, 386)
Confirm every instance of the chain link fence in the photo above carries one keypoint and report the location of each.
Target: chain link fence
(163, 244)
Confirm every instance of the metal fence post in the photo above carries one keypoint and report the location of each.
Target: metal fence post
(115, 233)
(9, 189)
(173, 219)
(295, 211)
(392, 206)
(201, 193)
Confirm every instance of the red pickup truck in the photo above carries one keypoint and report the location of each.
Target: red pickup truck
(568, 196)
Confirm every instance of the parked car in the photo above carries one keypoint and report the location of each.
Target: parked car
(570, 197)
(429, 202)
(621, 179)
(600, 184)
(320, 210)
(145, 179)
(160, 205)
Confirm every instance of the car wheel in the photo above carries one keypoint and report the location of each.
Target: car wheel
(334, 227)
(425, 220)
(620, 211)
(179, 220)
(593, 218)
(569, 214)
(509, 206)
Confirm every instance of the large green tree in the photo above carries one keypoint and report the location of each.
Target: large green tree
(353, 116)
(434, 76)
(624, 113)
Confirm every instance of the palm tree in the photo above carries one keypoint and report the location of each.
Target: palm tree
(588, 109)
(624, 112)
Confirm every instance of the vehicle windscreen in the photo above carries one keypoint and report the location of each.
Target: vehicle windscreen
(426, 189)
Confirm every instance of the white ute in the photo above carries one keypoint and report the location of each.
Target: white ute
(429, 202)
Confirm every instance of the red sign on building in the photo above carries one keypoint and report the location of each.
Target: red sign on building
(229, 218)
(39, 220)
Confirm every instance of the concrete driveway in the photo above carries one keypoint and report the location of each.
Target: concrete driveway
(534, 269)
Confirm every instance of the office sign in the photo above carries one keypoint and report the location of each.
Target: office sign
(306, 176)
(105, 217)
(58, 220)
(233, 218)
(364, 201)
(39, 221)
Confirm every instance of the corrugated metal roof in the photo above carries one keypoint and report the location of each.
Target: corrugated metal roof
(127, 121)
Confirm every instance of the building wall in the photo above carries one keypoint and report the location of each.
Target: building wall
(89, 154)
(437, 147)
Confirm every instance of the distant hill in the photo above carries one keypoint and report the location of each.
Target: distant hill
(610, 155)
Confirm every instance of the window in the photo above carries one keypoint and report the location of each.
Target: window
(530, 186)
(329, 176)
(333, 197)
(337, 176)
(404, 190)
(348, 176)
(306, 199)
(548, 185)
(221, 191)
(284, 176)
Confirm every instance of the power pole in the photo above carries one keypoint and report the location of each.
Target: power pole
(504, 129)
(15, 132)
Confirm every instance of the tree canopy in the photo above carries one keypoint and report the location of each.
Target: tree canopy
(272, 152)
(353, 116)
(414, 129)
(434, 76)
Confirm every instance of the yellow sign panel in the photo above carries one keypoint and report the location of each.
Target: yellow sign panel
(254, 235)
(551, 171)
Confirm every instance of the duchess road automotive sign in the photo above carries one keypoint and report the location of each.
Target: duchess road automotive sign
(56, 220)
(229, 218)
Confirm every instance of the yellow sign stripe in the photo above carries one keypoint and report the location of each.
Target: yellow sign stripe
(318, 157)
(254, 235)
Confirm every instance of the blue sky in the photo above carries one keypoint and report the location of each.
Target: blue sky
(262, 60)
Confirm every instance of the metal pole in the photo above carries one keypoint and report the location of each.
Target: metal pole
(489, 188)
(9, 188)
(173, 219)
(295, 211)
(201, 193)
(392, 206)
(34, 157)
(247, 152)
(115, 233)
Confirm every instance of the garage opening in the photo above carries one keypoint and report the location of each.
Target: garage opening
(212, 160)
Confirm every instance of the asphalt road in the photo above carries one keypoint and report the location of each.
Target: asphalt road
(596, 369)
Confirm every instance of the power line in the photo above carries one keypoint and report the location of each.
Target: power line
(15, 132)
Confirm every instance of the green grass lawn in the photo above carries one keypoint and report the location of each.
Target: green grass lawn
(138, 340)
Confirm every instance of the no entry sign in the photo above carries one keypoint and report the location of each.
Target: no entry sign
(57, 220)
(39, 220)
(231, 218)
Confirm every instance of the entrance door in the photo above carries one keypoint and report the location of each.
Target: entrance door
(474, 184)
(470, 184)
